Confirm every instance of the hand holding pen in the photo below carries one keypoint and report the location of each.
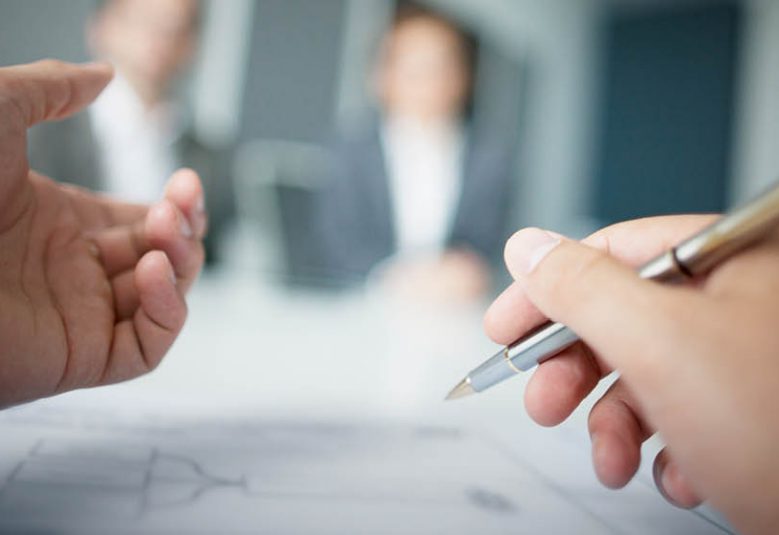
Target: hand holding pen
(698, 364)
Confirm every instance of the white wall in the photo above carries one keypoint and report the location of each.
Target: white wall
(756, 158)
(221, 68)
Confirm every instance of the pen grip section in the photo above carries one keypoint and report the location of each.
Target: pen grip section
(541, 344)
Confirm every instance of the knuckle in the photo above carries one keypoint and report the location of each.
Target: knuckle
(575, 277)
(50, 63)
(9, 103)
(590, 267)
(609, 408)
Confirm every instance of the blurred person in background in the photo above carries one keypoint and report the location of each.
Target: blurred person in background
(415, 190)
(138, 131)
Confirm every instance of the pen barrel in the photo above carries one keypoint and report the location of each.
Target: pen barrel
(540, 344)
(730, 234)
(493, 371)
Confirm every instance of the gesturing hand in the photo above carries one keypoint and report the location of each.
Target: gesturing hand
(700, 365)
(91, 290)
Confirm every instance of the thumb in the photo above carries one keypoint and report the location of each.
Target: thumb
(51, 89)
(29, 94)
(630, 322)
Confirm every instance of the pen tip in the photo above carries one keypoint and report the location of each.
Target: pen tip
(462, 389)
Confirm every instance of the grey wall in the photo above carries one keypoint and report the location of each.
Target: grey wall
(756, 158)
(293, 71)
(501, 90)
(281, 83)
(37, 29)
(365, 21)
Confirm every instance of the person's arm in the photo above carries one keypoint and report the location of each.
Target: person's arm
(699, 365)
(91, 290)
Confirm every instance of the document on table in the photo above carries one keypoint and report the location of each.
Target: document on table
(65, 471)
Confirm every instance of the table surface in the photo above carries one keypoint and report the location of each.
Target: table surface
(253, 349)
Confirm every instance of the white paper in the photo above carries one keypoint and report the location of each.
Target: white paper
(78, 471)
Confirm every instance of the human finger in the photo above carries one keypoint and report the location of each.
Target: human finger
(672, 484)
(165, 228)
(98, 211)
(30, 94)
(605, 302)
(560, 384)
(617, 430)
(51, 89)
(141, 342)
(511, 315)
(120, 248)
(632, 242)
(125, 292)
(186, 191)
(169, 230)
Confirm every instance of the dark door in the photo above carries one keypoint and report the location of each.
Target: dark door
(668, 112)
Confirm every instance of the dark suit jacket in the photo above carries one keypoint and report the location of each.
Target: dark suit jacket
(68, 152)
(355, 216)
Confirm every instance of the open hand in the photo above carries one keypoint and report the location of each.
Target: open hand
(91, 290)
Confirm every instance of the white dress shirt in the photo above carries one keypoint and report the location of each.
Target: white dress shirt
(136, 144)
(424, 165)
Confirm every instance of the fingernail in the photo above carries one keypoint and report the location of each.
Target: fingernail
(530, 246)
(667, 481)
(661, 474)
(199, 216)
(185, 227)
(172, 274)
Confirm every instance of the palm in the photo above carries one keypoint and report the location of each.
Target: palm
(86, 284)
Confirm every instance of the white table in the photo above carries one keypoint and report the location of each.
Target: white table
(255, 351)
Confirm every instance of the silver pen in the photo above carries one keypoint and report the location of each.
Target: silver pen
(731, 233)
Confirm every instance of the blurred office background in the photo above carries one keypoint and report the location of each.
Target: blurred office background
(613, 108)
